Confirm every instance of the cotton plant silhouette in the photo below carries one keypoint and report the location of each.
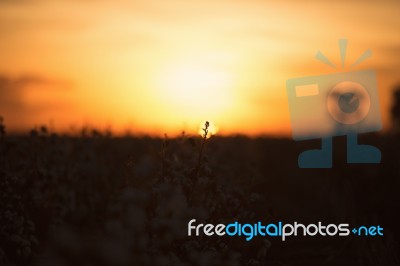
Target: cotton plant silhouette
(204, 138)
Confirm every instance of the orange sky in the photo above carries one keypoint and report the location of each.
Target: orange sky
(165, 66)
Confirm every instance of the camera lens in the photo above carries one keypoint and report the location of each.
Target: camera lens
(348, 102)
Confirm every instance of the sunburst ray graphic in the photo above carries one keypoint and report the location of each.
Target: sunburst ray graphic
(343, 51)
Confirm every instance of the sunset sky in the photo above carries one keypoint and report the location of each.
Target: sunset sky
(165, 66)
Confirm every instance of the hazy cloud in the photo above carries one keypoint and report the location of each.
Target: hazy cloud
(16, 106)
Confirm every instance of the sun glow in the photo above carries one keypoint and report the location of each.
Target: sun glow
(197, 88)
(155, 67)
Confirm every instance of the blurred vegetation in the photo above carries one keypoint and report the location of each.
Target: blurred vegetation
(396, 111)
(96, 199)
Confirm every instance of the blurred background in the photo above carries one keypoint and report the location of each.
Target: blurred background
(89, 88)
(155, 66)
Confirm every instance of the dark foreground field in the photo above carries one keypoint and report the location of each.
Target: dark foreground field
(99, 200)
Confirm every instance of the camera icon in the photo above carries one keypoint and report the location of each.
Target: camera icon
(335, 105)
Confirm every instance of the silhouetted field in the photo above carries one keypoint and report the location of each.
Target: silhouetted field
(102, 200)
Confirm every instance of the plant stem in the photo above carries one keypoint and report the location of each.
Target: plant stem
(205, 129)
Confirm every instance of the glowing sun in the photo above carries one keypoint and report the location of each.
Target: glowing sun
(197, 88)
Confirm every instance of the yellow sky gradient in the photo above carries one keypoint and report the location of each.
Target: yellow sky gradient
(165, 66)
